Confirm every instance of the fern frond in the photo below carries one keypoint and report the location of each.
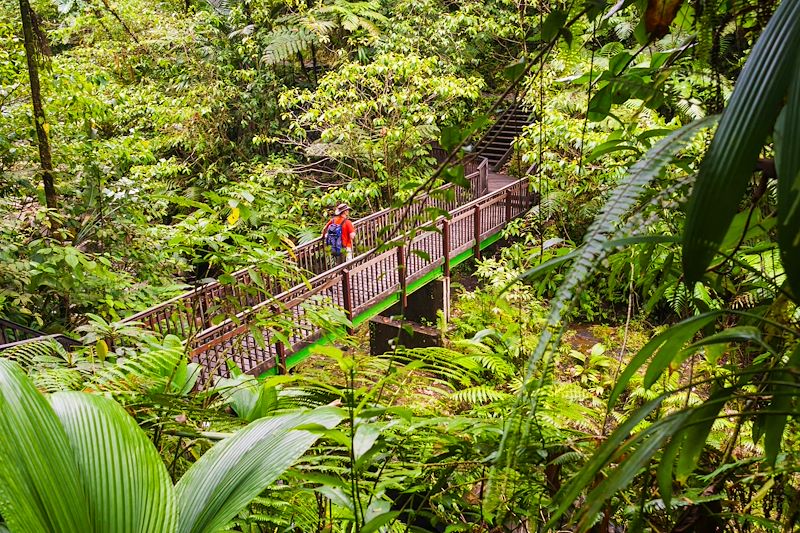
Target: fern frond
(479, 394)
(568, 458)
(286, 42)
(58, 379)
(37, 353)
(152, 370)
(51, 367)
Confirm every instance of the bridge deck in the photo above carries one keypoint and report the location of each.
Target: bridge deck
(498, 181)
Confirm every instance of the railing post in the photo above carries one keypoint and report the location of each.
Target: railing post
(484, 173)
(347, 298)
(477, 218)
(401, 274)
(446, 247)
(280, 352)
(508, 205)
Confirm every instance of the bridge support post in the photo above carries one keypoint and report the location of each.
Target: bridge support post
(385, 334)
(423, 305)
(414, 326)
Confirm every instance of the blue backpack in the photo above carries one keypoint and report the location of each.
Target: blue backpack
(333, 238)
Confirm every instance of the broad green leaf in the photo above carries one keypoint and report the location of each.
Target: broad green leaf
(617, 63)
(514, 70)
(455, 175)
(451, 137)
(600, 104)
(609, 147)
(238, 469)
(40, 488)
(673, 340)
(553, 24)
(787, 164)
(547, 266)
(734, 334)
(127, 485)
(664, 471)
(338, 496)
(379, 521)
(749, 118)
(694, 436)
(364, 438)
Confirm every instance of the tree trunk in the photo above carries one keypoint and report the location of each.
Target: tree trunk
(314, 63)
(38, 111)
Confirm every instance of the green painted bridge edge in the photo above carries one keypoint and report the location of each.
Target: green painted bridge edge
(302, 354)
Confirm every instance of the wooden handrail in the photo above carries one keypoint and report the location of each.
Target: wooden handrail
(357, 285)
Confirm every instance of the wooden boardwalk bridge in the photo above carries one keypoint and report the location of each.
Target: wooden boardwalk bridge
(264, 325)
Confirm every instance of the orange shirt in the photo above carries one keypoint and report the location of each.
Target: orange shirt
(348, 230)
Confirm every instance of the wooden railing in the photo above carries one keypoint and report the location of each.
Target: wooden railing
(260, 338)
(198, 309)
(13, 334)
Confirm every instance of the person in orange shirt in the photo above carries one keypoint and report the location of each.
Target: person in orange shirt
(338, 234)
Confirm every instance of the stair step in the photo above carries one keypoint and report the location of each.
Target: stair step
(506, 139)
(504, 131)
(496, 147)
(518, 123)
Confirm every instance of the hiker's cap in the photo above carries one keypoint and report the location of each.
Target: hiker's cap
(341, 208)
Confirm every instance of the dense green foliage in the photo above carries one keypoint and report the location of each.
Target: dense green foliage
(628, 359)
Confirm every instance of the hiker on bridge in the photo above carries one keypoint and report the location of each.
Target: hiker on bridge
(338, 234)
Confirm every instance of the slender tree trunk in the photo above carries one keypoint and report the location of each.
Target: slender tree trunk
(45, 159)
(302, 61)
(122, 22)
(314, 63)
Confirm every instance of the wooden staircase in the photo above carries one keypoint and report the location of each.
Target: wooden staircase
(496, 145)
